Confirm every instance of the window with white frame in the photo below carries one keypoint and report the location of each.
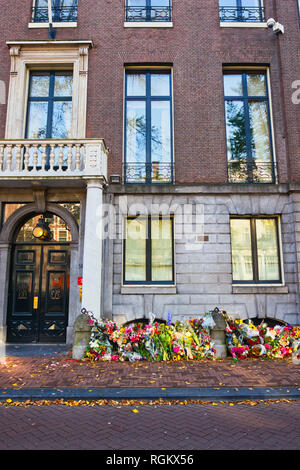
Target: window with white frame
(242, 11)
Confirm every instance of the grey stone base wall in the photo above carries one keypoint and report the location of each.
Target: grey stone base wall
(204, 275)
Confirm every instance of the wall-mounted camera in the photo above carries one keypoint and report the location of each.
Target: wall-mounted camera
(277, 27)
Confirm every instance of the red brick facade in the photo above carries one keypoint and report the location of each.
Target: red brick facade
(197, 47)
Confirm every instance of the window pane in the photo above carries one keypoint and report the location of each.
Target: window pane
(135, 251)
(136, 3)
(242, 268)
(267, 249)
(256, 84)
(136, 131)
(136, 84)
(42, 3)
(39, 86)
(23, 293)
(259, 122)
(250, 3)
(37, 120)
(62, 120)
(160, 84)
(159, 3)
(162, 252)
(233, 85)
(160, 131)
(227, 3)
(236, 134)
(63, 84)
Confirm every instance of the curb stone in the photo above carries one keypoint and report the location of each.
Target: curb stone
(225, 393)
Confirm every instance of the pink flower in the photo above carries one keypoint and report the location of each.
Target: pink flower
(176, 349)
(114, 358)
(268, 346)
(91, 321)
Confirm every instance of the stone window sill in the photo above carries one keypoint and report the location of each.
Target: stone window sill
(258, 289)
(236, 24)
(136, 290)
(55, 25)
(150, 24)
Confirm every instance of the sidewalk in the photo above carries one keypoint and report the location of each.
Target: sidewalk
(30, 371)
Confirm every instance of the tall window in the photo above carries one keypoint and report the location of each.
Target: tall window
(248, 128)
(148, 127)
(255, 250)
(148, 251)
(49, 105)
(49, 109)
(148, 10)
(62, 11)
(241, 10)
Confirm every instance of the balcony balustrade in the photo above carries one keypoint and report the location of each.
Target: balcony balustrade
(149, 13)
(59, 14)
(46, 159)
(242, 14)
(149, 173)
(241, 171)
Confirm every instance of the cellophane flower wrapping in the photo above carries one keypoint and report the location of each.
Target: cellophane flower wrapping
(153, 341)
(244, 339)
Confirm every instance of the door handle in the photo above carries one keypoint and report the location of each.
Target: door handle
(35, 303)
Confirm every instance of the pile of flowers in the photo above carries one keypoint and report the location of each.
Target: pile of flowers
(153, 341)
(244, 339)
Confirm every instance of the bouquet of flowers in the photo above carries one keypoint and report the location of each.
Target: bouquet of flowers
(246, 339)
(153, 341)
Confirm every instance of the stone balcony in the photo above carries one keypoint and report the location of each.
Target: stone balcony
(52, 161)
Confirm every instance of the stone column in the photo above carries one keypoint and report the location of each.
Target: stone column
(74, 301)
(4, 285)
(218, 336)
(92, 251)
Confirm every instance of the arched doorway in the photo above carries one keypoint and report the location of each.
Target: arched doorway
(39, 281)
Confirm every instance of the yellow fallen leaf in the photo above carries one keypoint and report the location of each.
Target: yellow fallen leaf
(135, 411)
(8, 400)
(188, 383)
(163, 388)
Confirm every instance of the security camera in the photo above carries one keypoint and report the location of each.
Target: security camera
(277, 27)
(271, 23)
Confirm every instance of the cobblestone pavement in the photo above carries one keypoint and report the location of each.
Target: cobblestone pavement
(177, 427)
(61, 371)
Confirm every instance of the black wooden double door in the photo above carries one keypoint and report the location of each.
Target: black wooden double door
(39, 293)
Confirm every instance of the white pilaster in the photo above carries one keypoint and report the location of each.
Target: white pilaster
(92, 253)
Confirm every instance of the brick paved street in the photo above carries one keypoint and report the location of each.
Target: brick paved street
(163, 427)
(19, 372)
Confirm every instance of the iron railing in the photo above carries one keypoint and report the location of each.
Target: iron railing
(242, 14)
(148, 13)
(148, 173)
(59, 14)
(241, 171)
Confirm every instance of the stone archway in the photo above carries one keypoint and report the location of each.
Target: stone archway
(15, 221)
(24, 212)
